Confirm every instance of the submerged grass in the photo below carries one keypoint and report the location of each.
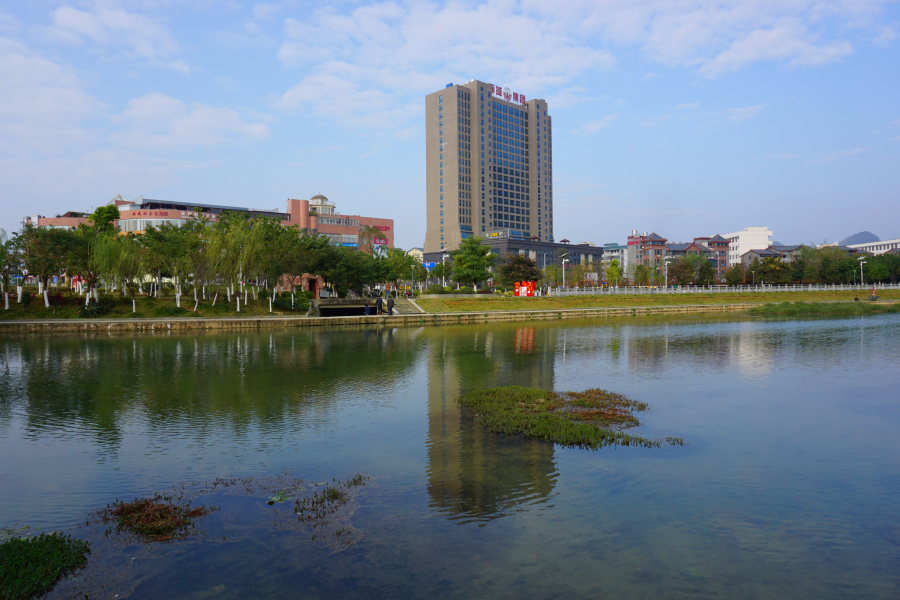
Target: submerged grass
(156, 519)
(30, 567)
(796, 309)
(590, 419)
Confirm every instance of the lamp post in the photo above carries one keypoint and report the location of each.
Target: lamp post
(444, 269)
(862, 261)
(666, 261)
(564, 261)
(754, 277)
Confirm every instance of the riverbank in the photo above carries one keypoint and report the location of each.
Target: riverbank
(201, 324)
(471, 304)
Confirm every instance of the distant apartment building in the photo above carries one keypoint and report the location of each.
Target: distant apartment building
(741, 242)
(489, 166)
(876, 247)
(652, 250)
(315, 216)
(783, 253)
(417, 253)
(618, 252)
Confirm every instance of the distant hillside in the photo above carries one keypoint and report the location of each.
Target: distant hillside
(863, 237)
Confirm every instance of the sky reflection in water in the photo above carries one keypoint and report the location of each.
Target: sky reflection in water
(789, 485)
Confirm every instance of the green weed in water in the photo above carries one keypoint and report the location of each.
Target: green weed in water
(798, 309)
(155, 519)
(590, 419)
(30, 567)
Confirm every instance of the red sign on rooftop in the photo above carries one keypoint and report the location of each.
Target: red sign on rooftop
(508, 95)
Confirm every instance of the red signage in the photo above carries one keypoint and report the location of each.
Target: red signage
(524, 288)
(508, 95)
(380, 241)
(383, 227)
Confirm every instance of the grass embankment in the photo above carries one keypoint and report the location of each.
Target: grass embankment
(31, 566)
(589, 419)
(146, 307)
(799, 309)
(454, 305)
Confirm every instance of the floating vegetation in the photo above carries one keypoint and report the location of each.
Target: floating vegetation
(796, 309)
(156, 519)
(322, 509)
(31, 566)
(590, 419)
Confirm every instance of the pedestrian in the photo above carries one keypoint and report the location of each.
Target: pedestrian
(390, 304)
(379, 306)
(367, 312)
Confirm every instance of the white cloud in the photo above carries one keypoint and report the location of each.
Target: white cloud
(895, 123)
(655, 120)
(595, 126)
(265, 12)
(157, 121)
(391, 55)
(569, 97)
(8, 23)
(650, 76)
(786, 42)
(42, 103)
(741, 114)
(119, 31)
(838, 155)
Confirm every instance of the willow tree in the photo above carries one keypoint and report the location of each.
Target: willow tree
(123, 260)
(43, 254)
(170, 249)
(9, 264)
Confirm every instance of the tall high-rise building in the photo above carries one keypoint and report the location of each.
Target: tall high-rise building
(489, 165)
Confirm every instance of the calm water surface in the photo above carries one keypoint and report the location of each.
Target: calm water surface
(789, 486)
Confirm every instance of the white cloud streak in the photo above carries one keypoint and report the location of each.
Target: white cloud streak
(838, 155)
(117, 30)
(595, 126)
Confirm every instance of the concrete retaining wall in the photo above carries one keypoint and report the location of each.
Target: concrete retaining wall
(409, 320)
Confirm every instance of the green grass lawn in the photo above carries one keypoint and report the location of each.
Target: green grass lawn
(454, 305)
(146, 308)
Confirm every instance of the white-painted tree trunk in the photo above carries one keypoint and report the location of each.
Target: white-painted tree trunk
(196, 304)
(255, 290)
(5, 301)
(245, 296)
(19, 294)
(133, 306)
(238, 303)
(270, 305)
(216, 297)
(46, 298)
(40, 286)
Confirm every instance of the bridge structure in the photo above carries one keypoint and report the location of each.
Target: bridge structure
(346, 307)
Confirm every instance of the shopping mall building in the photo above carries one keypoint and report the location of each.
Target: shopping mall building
(316, 216)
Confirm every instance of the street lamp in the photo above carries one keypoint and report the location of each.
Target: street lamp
(862, 261)
(564, 261)
(754, 277)
(666, 261)
(444, 269)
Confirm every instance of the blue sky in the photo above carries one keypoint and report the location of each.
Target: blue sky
(687, 117)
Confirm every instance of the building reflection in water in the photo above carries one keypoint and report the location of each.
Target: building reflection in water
(474, 475)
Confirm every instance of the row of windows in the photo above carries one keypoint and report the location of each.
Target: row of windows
(323, 220)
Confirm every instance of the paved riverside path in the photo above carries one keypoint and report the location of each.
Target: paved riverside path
(183, 324)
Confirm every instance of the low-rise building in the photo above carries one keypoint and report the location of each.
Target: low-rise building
(876, 247)
(741, 242)
(417, 253)
(317, 215)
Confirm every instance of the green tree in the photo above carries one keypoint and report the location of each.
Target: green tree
(681, 271)
(9, 264)
(734, 276)
(103, 216)
(170, 248)
(121, 259)
(706, 274)
(472, 261)
(613, 272)
(516, 267)
(641, 275)
(43, 254)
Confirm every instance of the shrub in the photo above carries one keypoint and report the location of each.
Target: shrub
(435, 289)
(94, 308)
(27, 297)
(30, 567)
(465, 290)
(171, 311)
(263, 294)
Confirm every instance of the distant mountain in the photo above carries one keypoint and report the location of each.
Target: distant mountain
(777, 244)
(863, 237)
